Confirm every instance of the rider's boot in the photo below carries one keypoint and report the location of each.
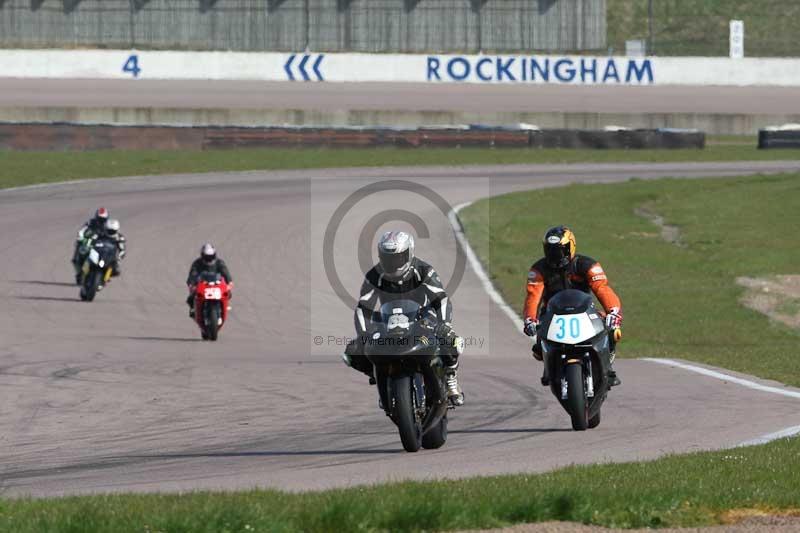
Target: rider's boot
(78, 273)
(613, 379)
(454, 392)
(536, 351)
(190, 303)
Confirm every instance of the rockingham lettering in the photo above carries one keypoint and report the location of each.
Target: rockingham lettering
(532, 69)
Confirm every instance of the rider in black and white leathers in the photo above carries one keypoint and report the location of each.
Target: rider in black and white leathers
(418, 282)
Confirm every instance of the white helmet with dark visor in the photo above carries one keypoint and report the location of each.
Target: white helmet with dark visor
(395, 253)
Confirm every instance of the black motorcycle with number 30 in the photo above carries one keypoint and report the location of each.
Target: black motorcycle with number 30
(410, 374)
(578, 351)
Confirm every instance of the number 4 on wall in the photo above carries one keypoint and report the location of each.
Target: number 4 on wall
(131, 66)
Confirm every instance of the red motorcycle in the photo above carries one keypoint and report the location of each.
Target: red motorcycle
(211, 296)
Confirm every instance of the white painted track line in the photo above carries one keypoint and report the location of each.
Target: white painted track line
(487, 284)
(724, 377)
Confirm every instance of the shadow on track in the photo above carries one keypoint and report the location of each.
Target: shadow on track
(161, 339)
(48, 283)
(268, 454)
(535, 430)
(49, 299)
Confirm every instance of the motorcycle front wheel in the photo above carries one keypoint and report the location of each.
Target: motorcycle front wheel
(89, 289)
(576, 397)
(404, 413)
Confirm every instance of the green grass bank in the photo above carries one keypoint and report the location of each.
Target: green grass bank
(692, 490)
(24, 168)
(700, 27)
(679, 299)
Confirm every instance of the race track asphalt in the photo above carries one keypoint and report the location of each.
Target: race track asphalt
(396, 96)
(122, 395)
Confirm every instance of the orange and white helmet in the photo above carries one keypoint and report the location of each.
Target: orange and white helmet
(559, 246)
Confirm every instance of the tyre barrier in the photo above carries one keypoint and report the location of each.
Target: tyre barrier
(620, 139)
(779, 138)
(82, 137)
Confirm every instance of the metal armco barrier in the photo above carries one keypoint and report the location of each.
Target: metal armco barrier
(104, 137)
(779, 138)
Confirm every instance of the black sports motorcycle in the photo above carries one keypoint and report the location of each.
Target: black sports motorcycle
(98, 266)
(410, 373)
(578, 351)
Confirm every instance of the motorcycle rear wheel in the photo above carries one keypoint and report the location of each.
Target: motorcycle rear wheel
(594, 421)
(409, 428)
(436, 436)
(576, 397)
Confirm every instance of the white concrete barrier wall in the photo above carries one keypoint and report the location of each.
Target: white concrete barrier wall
(313, 67)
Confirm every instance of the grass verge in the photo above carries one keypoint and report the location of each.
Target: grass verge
(680, 300)
(684, 490)
(24, 168)
(700, 28)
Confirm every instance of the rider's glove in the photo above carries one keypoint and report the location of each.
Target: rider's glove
(530, 326)
(446, 335)
(459, 344)
(614, 318)
(444, 331)
(614, 323)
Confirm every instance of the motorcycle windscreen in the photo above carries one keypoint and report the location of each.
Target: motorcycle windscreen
(210, 277)
(105, 249)
(399, 315)
(569, 301)
(574, 329)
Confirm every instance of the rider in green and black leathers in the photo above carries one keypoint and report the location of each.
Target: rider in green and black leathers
(98, 226)
(401, 275)
(94, 226)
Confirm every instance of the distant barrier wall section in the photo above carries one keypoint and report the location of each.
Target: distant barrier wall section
(320, 25)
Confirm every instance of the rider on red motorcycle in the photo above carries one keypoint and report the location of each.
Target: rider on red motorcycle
(207, 262)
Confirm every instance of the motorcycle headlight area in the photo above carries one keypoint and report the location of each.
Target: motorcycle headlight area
(397, 321)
